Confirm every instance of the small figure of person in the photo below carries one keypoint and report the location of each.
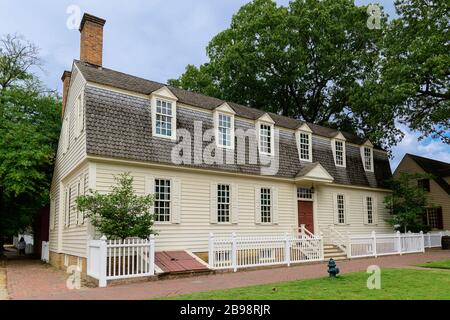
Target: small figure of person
(21, 246)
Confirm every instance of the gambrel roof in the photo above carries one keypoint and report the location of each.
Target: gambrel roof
(119, 125)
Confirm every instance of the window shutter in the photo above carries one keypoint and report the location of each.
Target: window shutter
(257, 205)
(440, 218)
(213, 203)
(176, 200)
(375, 209)
(336, 218)
(77, 194)
(275, 205)
(235, 203)
(150, 188)
(347, 206)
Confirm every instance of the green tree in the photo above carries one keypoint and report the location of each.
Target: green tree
(29, 132)
(407, 202)
(308, 60)
(121, 213)
(415, 73)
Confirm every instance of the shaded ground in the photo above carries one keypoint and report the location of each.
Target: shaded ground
(34, 280)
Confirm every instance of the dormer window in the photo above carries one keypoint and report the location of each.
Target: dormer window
(164, 113)
(339, 152)
(224, 126)
(368, 159)
(304, 143)
(338, 146)
(265, 132)
(367, 156)
(265, 138)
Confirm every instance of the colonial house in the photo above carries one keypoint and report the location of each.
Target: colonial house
(215, 166)
(437, 187)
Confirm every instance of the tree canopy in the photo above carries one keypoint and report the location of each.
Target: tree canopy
(29, 132)
(318, 61)
(121, 213)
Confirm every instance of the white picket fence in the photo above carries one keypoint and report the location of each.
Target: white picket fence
(375, 245)
(434, 239)
(45, 251)
(117, 259)
(236, 252)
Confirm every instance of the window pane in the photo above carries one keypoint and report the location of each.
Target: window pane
(223, 203)
(304, 193)
(339, 153)
(162, 200)
(163, 119)
(369, 204)
(367, 158)
(224, 130)
(265, 138)
(304, 146)
(266, 205)
(341, 208)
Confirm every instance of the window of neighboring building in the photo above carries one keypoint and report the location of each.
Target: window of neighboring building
(266, 205)
(368, 159)
(304, 194)
(369, 208)
(305, 146)
(424, 184)
(164, 115)
(265, 138)
(340, 205)
(162, 200)
(225, 130)
(433, 218)
(223, 203)
(339, 153)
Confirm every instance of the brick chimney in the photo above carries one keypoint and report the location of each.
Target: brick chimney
(91, 40)
(66, 82)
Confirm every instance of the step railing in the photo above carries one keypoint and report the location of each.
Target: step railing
(235, 252)
(333, 236)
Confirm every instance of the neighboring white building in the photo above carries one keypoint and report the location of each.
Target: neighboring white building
(115, 123)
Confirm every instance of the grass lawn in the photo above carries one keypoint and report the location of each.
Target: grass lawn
(442, 264)
(396, 284)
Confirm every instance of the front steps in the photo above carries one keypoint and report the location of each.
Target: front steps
(332, 251)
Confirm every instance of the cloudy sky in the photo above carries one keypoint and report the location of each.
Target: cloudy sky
(153, 39)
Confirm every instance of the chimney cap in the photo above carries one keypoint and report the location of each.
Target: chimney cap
(66, 74)
(91, 18)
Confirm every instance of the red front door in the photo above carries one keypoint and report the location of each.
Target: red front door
(306, 215)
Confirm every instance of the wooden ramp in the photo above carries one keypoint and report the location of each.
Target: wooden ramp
(178, 262)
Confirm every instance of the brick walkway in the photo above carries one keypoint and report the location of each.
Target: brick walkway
(33, 280)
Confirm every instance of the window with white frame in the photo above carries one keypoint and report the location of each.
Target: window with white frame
(164, 115)
(162, 200)
(339, 150)
(369, 208)
(266, 205)
(265, 138)
(305, 145)
(223, 203)
(368, 159)
(340, 205)
(304, 194)
(224, 130)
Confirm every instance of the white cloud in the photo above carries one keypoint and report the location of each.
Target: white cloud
(428, 148)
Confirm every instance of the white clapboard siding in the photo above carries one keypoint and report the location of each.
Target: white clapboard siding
(61, 239)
